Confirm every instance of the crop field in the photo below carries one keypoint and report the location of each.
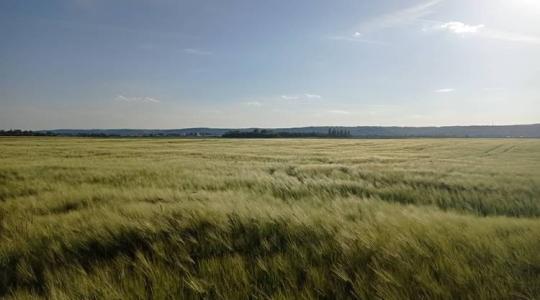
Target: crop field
(84, 218)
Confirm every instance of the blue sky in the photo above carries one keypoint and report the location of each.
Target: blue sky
(173, 64)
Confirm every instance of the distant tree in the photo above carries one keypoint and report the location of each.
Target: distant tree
(338, 132)
(19, 132)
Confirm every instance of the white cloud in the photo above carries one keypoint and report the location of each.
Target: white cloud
(446, 90)
(123, 98)
(306, 96)
(482, 31)
(197, 51)
(253, 103)
(150, 99)
(461, 28)
(290, 97)
(313, 96)
(397, 18)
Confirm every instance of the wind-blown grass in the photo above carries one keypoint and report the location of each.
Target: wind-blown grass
(283, 219)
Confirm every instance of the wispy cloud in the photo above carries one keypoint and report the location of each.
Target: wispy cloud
(461, 28)
(194, 51)
(446, 90)
(290, 97)
(122, 98)
(355, 38)
(483, 31)
(393, 19)
(400, 17)
(253, 103)
(305, 96)
(339, 112)
(313, 96)
(512, 37)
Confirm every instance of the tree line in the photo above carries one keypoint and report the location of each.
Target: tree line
(266, 133)
(339, 132)
(19, 132)
(256, 133)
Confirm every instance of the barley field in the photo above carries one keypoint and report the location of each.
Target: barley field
(84, 218)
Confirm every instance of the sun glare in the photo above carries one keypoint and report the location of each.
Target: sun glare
(527, 4)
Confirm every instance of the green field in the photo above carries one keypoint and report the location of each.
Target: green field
(269, 219)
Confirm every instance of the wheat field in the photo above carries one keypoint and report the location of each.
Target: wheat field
(84, 218)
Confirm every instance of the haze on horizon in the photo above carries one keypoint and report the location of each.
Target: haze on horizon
(244, 63)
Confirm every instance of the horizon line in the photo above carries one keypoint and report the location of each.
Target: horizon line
(287, 127)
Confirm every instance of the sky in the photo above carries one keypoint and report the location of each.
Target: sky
(257, 63)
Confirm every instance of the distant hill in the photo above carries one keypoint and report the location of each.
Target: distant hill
(515, 131)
